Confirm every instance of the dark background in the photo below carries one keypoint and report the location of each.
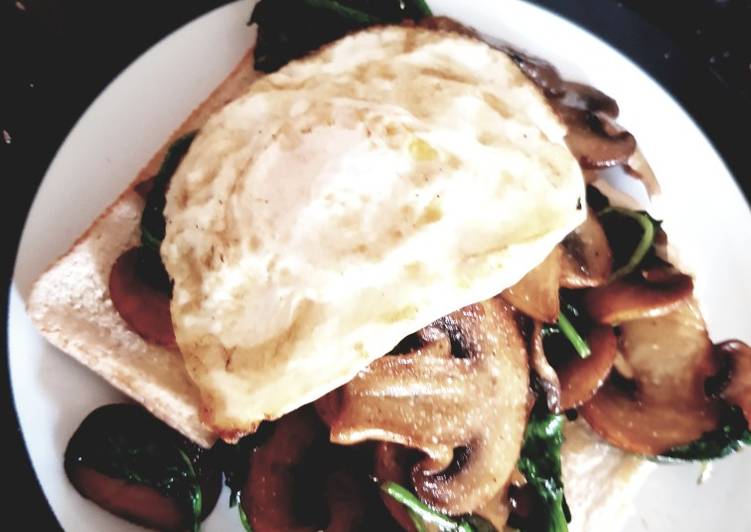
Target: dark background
(56, 56)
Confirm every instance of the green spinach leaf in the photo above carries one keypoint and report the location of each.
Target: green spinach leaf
(540, 462)
(152, 220)
(732, 435)
(124, 441)
(288, 29)
(422, 515)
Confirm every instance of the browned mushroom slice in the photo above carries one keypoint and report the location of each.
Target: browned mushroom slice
(393, 462)
(587, 97)
(270, 497)
(345, 502)
(645, 429)
(639, 168)
(665, 405)
(135, 502)
(536, 294)
(653, 293)
(461, 398)
(539, 71)
(581, 377)
(594, 140)
(144, 308)
(497, 510)
(549, 379)
(738, 390)
(587, 259)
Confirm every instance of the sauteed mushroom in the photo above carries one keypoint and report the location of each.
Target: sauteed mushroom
(650, 293)
(539, 71)
(738, 389)
(144, 306)
(536, 294)
(134, 466)
(580, 378)
(582, 96)
(393, 462)
(549, 380)
(665, 405)
(586, 260)
(594, 140)
(461, 397)
(271, 497)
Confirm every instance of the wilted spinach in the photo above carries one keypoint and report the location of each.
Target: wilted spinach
(125, 442)
(732, 435)
(540, 462)
(288, 29)
(152, 220)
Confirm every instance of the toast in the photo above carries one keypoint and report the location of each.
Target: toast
(70, 306)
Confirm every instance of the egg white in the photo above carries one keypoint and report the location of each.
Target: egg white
(350, 199)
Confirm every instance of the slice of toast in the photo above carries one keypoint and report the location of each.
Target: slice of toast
(71, 307)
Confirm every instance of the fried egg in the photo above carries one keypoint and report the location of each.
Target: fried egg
(350, 199)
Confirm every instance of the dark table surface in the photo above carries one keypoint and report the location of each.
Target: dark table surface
(58, 55)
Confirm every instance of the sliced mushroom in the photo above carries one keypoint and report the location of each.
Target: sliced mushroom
(137, 503)
(548, 376)
(539, 71)
(665, 405)
(582, 96)
(594, 140)
(586, 260)
(345, 502)
(651, 294)
(738, 390)
(671, 356)
(639, 168)
(136, 467)
(144, 307)
(536, 294)
(497, 510)
(296, 460)
(393, 462)
(645, 429)
(461, 398)
(580, 378)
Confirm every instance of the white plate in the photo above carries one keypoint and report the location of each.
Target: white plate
(707, 218)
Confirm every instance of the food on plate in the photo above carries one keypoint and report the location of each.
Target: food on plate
(133, 465)
(325, 267)
(381, 284)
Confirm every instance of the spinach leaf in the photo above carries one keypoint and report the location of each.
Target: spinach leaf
(632, 236)
(425, 518)
(540, 462)
(572, 335)
(125, 442)
(732, 435)
(152, 219)
(235, 500)
(194, 491)
(422, 515)
(567, 337)
(288, 29)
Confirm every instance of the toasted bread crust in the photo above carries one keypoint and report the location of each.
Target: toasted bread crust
(70, 304)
